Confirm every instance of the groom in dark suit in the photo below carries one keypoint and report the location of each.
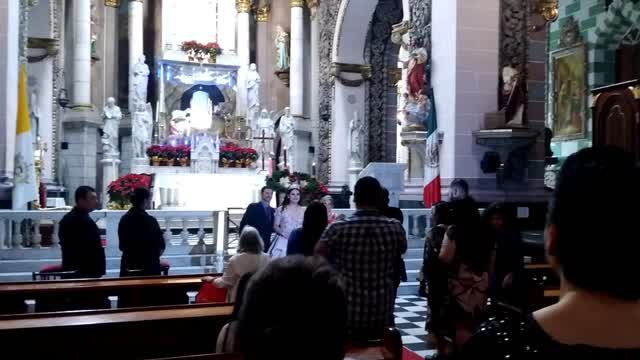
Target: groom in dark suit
(260, 215)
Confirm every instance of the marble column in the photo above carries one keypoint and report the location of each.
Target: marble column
(263, 55)
(296, 67)
(9, 34)
(81, 88)
(314, 111)
(244, 8)
(136, 37)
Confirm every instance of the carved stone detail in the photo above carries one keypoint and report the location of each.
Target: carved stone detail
(513, 34)
(570, 33)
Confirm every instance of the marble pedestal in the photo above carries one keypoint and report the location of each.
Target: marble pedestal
(354, 174)
(416, 143)
(110, 172)
(80, 157)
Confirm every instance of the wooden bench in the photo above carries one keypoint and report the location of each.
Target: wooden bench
(135, 333)
(61, 295)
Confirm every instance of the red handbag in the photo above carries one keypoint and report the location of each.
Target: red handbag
(209, 293)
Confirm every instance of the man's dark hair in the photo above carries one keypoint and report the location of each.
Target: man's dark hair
(597, 238)
(461, 184)
(367, 192)
(263, 189)
(82, 192)
(139, 196)
(295, 308)
(384, 197)
(314, 224)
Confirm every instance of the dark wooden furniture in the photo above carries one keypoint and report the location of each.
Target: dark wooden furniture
(616, 116)
(136, 333)
(61, 295)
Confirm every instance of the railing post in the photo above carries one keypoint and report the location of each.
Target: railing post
(37, 237)
(167, 231)
(3, 234)
(416, 228)
(185, 232)
(222, 243)
(111, 227)
(17, 233)
(201, 232)
(55, 240)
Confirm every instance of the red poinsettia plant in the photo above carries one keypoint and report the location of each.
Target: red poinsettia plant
(234, 152)
(213, 48)
(120, 189)
(198, 49)
(168, 152)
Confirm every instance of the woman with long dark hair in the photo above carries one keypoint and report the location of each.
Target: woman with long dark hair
(288, 217)
(302, 241)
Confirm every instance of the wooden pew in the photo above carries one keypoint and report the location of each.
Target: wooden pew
(135, 333)
(83, 294)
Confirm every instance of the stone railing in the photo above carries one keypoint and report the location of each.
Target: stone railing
(39, 229)
(28, 229)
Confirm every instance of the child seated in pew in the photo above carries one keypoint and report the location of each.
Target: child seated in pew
(249, 259)
(295, 308)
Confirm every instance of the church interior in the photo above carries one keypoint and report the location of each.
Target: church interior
(206, 102)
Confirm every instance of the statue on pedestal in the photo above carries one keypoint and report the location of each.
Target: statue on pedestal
(513, 96)
(286, 129)
(282, 49)
(265, 123)
(112, 115)
(253, 92)
(355, 140)
(142, 127)
(140, 82)
(416, 77)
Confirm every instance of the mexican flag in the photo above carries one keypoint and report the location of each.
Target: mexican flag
(25, 187)
(432, 193)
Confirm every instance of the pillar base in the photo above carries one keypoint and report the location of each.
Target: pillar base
(354, 175)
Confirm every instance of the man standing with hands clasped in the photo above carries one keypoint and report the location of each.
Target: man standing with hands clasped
(260, 215)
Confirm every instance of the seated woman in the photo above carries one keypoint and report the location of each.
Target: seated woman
(596, 256)
(249, 259)
(302, 241)
(228, 336)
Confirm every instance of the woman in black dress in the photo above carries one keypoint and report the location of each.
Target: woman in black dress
(595, 253)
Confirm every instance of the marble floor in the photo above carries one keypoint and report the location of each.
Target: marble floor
(411, 313)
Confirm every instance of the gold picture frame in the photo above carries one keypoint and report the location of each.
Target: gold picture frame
(569, 93)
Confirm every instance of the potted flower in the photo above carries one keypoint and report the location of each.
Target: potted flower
(183, 154)
(168, 155)
(190, 48)
(153, 152)
(213, 50)
(250, 156)
(120, 189)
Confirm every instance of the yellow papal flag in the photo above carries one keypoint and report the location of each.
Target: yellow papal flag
(25, 187)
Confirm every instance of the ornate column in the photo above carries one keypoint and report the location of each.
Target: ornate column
(314, 112)
(81, 89)
(244, 8)
(136, 44)
(9, 34)
(296, 67)
(264, 46)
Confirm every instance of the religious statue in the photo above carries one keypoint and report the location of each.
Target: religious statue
(180, 123)
(140, 82)
(416, 76)
(142, 128)
(264, 123)
(513, 96)
(112, 115)
(34, 113)
(286, 130)
(253, 92)
(398, 32)
(355, 139)
(282, 49)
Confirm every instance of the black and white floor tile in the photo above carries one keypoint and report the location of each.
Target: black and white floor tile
(411, 314)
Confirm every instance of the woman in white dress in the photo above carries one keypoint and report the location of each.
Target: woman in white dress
(288, 218)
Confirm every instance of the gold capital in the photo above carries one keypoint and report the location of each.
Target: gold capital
(244, 6)
(262, 13)
(297, 3)
(313, 4)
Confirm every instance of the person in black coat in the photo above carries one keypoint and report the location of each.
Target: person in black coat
(141, 239)
(393, 213)
(80, 242)
(260, 215)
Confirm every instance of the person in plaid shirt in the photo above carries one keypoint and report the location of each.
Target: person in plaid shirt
(365, 249)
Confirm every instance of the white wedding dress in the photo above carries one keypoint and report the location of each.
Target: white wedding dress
(288, 221)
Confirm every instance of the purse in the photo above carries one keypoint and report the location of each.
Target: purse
(209, 293)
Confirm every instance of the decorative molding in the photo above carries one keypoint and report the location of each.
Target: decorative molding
(327, 18)
(363, 69)
(514, 43)
(51, 47)
(262, 13)
(313, 7)
(570, 33)
(112, 3)
(244, 6)
(297, 3)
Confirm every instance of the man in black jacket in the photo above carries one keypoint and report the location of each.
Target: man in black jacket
(260, 215)
(80, 242)
(141, 239)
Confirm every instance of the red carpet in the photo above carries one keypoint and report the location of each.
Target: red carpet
(410, 355)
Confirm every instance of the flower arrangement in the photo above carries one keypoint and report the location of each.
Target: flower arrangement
(119, 189)
(197, 50)
(168, 154)
(233, 155)
(310, 188)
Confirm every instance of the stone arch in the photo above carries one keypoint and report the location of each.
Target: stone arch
(612, 28)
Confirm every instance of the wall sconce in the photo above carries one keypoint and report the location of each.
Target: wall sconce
(548, 10)
(63, 98)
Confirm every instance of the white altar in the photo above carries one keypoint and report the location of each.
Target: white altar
(177, 188)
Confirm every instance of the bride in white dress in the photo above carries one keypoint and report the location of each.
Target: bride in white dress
(288, 217)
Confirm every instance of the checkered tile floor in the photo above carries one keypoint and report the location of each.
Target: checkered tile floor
(411, 313)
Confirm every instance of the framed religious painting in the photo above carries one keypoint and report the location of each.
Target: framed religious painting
(569, 92)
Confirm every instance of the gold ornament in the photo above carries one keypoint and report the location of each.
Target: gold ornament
(297, 3)
(313, 4)
(262, 13)
(244, 6)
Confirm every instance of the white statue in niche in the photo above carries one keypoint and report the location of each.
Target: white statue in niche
(355, 139)
(112, 115)
(140, 82)
(201, 111)
(282, 49)
(253, 92)
(141, 130)
(264, 123)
